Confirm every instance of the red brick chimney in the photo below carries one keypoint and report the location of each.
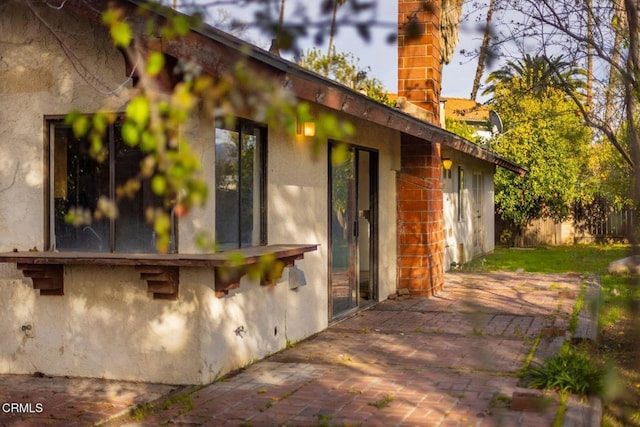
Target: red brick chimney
(419, 189)
(420, 58)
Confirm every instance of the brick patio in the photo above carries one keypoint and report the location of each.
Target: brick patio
(444, 361)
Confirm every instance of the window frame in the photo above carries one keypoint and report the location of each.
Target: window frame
(262, 140)
(49, 123)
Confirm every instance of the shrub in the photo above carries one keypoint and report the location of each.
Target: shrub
(570, 371)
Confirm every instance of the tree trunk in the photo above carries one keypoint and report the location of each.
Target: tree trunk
(483, 52)
(632, 99)
(332, 30)
(589, 55)
(615, 57)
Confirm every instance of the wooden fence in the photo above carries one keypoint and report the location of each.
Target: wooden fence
(613, 228)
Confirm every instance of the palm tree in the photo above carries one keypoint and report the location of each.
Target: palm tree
(536, 74)
(614, 76)
(275, 42)
(332, 31)
(484, 49)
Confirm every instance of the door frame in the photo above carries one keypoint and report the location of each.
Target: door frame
(373, 221)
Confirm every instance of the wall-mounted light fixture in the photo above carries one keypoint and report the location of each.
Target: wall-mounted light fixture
(306, 129)
(447, 163)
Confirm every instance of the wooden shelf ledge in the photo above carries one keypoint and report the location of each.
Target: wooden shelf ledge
(161, 271)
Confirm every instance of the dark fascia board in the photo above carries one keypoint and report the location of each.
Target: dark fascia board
(310, 86)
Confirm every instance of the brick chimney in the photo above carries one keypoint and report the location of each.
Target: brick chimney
(419, 58)
(419, 189)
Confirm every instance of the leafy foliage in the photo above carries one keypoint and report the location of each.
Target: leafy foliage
(605, 186)
(345, 68)
(535, 74)
(544, 134)
(570, 371)
(462, 129)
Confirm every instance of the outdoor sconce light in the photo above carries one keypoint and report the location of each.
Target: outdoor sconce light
(306, 129)
(447, 163)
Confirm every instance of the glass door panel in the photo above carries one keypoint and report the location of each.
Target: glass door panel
(343, 211)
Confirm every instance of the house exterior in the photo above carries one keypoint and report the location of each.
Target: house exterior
(468, 208)
(468, 187)
(97, 301)
(470, 112)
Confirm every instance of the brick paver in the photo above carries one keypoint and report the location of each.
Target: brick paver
(450, 360)
(57, 401)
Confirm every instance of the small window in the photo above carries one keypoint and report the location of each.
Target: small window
(240, 158)
(78, 182)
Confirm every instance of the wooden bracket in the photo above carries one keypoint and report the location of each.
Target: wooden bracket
(48, 278)
(227, 277)
(275, 272)
(162, 281)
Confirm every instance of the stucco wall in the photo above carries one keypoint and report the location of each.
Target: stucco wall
(459, 232)
(38, 78)
(106, 324)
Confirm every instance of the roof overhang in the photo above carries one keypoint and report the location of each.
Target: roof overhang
(216, 52)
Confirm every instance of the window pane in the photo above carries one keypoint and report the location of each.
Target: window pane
(79, 181)
(133, 233)
(227, 188)
(250, 191)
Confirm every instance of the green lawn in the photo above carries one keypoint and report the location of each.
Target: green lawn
(555, 259)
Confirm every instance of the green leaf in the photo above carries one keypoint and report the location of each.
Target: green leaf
(110, 16)
(100, 122)
(97, 148)
(130, 134)
(155, 63)
(198, 193)
(80, 126)
(177, 171)
(348, 129)
(71, 117)
(139, 111)
(121, 34)
(340, 154)
(162, 224)
(236, 258)
(181, 25)
(148, 142)
(159, 185)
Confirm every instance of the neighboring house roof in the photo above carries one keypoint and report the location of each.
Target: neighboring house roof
(307, 85)
(467, 110)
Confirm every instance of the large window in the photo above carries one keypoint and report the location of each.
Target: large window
(240, 193)
(78, 180)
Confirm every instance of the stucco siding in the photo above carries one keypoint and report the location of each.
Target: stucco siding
(38, 78)
(466, 235)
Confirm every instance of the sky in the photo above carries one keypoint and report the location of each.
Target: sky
(381, 56)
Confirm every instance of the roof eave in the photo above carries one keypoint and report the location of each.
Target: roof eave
(312, 87)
